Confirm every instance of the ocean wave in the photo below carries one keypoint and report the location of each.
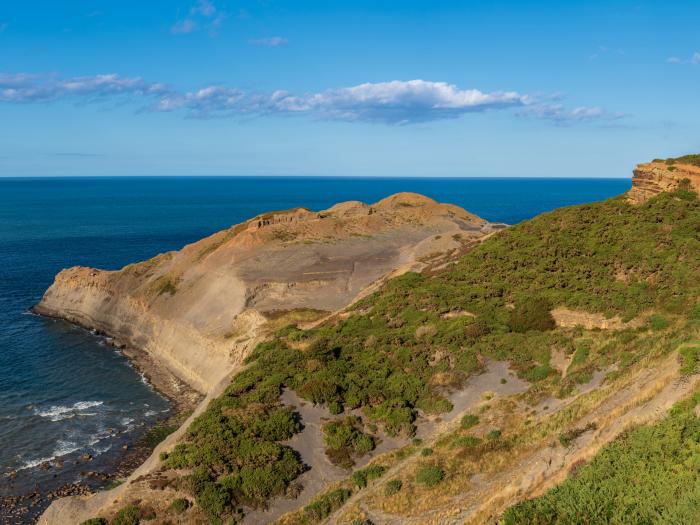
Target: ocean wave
(59, 412)
(63, 448)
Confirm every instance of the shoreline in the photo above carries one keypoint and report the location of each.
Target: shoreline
(26, 506)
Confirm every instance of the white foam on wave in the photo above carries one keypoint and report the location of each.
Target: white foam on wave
(63, 448)
(59, 412)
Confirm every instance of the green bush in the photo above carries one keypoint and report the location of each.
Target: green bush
(532, 314)
(469, 420)
(430, 476)
(325, 505)
(392, 487)
(345, 441)
(493, 434)
(426, 452)
(179, 505)
(129, 515)
(467, 441)
(658, 322)
(95, 521)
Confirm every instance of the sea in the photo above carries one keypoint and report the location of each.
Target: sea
(64, 391)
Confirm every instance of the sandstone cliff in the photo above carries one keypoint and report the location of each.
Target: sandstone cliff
(657, 176)
(194, 310)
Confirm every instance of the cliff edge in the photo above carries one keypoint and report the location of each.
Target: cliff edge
(194, 310)
(658, 176)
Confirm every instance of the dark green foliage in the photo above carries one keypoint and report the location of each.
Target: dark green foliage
(532, 314)
(649, 475)
(345, 441)
(129, 515)
(658, 322)
(325, 505)
(493, 434)
(426, 452)
(469, 420)
(179, 505)
(361, 477)
(430, 476)
(95, 521)
(392, 487)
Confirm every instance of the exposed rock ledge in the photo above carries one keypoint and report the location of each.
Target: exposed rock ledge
(658, 176)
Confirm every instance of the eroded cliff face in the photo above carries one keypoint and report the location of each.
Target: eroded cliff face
(195, 310)
(655, 177)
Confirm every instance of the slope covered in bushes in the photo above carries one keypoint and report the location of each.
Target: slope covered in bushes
(397, 353)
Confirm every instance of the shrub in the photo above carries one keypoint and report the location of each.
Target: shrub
(430, 476)
(213, 499)
(467, 441)
(95, 521)
(658, 322)
(179, 505)
(469, 420)
(129, 515)
(361, 477)
(392, 487)
(493, 434)
(426, 452)
(344, 441)
(327, 504)
(532, 314)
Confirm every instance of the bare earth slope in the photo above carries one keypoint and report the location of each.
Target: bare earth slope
(185, 308)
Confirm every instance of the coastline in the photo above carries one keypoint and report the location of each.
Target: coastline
(132, 450)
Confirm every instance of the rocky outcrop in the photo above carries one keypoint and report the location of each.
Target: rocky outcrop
(194, 310)
(658, 176)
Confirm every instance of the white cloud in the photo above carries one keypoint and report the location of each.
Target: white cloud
(396, 102)
(273, 41)
(694, 59)
(30, 88)
(203, 14)
(558, 114)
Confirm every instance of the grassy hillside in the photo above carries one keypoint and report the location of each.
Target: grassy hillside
(398, 351)
(649, 475)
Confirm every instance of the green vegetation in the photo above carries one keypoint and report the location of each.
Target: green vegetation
(686, 159)
(129, 515)
(392, 487)
(430, 476)
(397, 354)
(179, 505)
(345, 441)
(361, 477)
(469, 420)
(324, 506)
(648, 475)
(690, 358)
(95, 521)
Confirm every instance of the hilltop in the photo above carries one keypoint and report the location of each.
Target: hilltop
(455, 392)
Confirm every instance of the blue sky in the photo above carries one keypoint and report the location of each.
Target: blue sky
(370, 88)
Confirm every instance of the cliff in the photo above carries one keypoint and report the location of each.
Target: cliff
(194, 310)
(658, 176)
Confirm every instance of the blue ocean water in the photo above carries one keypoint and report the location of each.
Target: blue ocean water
(63, 392)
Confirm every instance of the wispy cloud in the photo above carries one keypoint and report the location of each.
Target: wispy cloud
(273, 41)
(24, 88)
(395, 103)
(558, 114)
(203, 14)
(694, 59)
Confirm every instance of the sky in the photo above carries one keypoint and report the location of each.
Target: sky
(346, 88)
